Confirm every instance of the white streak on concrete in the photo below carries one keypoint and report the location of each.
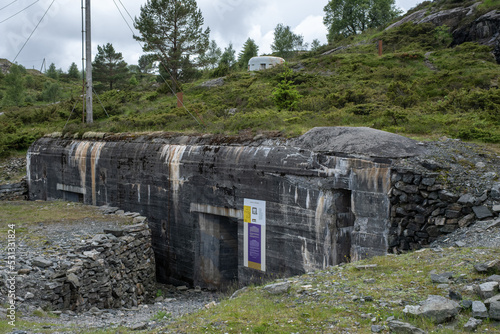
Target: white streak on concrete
(172, 156)
(95, 154)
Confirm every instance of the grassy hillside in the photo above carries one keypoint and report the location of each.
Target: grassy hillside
(418, 87)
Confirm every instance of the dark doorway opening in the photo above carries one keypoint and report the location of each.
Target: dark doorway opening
(218, 251)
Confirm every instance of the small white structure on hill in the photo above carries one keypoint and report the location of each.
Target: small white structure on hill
(261, 63)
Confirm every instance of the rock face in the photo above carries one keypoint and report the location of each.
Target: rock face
(484, 30)
(5, 65)
(465, 24)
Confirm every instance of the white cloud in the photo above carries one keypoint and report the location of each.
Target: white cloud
(312, 28)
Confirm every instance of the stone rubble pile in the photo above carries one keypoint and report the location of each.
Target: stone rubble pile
(440, 309)
(113, 269)
(10, 170)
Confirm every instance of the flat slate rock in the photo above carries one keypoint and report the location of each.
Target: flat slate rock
(360, 140)
(482, 212)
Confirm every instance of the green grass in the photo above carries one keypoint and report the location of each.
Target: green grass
(325, 302)
(28, 216)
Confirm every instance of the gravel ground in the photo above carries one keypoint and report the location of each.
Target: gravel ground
(480, 234)
(465, 167)
(61, 238)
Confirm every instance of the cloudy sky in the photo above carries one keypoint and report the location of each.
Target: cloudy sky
(57, 39)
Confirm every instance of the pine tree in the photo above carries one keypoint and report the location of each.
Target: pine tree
(250, 49)
(51, 92)
(73, 72)
(315, 45)
(228, 58)
(52, 72)
(109, 67)
(212, 56)
(173, 30)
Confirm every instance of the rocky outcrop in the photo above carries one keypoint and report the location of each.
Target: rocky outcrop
(484, 30)
(5, 66)
(450, 17)
(462, 24)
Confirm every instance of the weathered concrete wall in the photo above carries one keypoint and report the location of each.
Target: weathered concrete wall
(321, 209)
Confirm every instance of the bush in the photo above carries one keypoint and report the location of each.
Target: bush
(424, 35)
(285, 95)
(475, 133)
(401, 94)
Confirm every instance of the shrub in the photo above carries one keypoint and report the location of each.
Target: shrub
(474, 133)
(401, 94)
(285, 95)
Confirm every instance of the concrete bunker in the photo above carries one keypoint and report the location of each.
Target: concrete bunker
(319, 200)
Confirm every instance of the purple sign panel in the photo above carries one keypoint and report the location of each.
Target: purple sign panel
(254, 229)
(254, 246)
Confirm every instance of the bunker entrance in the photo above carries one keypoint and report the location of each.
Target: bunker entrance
(218, 252)
(344, 225)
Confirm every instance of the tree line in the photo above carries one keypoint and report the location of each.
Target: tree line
(174, 40)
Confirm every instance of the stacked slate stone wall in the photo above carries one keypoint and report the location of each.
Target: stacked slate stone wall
(422, 209)
(14, 191)
(112, 270)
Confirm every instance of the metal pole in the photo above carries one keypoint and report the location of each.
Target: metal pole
(83, 62)
(88, 48)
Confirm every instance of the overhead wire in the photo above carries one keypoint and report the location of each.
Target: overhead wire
(44, 14)
(166, 69)
(126, 10)
(8, 5)
(19, 12)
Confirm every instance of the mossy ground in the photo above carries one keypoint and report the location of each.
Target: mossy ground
(339, 299)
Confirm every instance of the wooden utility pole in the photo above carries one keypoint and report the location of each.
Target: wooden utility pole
(88, 48)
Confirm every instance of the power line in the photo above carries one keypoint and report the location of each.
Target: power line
(123, 17)
(34, 30)
(126, 10)
(8, 5)
(19, 12)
